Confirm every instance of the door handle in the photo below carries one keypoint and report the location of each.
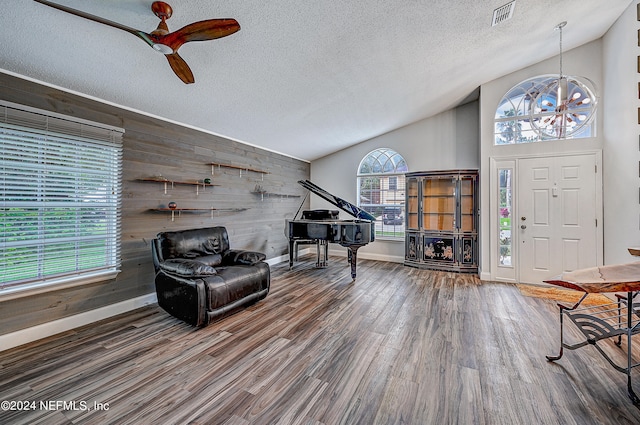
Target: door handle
(523, 227)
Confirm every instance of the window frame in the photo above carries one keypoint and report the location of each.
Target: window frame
(521, 98)
(386, 229)
(60, 183)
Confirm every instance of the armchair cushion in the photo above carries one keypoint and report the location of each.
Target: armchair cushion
(188, 268)
(194, 243)
(210, 260)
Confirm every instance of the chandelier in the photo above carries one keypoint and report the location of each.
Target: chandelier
(564, 106)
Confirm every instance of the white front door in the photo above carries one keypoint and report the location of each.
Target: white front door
(556, 215)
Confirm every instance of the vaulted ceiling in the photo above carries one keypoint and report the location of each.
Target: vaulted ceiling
(303, 78)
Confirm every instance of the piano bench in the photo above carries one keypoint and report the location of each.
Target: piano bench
(322, 254)
(302, 242)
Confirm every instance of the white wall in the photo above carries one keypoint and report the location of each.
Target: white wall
(611, 62)
(445, 141)
(583, 61)
(463, 138)
(621, 138)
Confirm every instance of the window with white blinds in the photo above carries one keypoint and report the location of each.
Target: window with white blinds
(60, 189)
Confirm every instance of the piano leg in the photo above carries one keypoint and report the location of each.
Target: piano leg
(292, 249)
(322, 249)
(352, 254)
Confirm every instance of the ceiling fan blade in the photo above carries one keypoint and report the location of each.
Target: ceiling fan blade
(163, 41)
(140, 34)
(200, 31)
(181, 68)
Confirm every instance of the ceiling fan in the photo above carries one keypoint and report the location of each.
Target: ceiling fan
(164, 41)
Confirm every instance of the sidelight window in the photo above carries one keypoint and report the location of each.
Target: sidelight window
(505, 208)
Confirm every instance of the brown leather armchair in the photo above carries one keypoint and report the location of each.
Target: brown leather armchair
(200, 279)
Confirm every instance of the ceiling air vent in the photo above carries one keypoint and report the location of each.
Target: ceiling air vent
(503, 13)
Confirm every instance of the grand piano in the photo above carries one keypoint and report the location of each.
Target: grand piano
(320, 227)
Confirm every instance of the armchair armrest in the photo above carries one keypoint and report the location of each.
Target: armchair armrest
(184, 298)
(238, 256)
(186, 267)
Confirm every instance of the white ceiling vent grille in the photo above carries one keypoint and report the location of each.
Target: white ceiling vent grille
(503, 13)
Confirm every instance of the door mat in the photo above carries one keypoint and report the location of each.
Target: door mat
(564, 295)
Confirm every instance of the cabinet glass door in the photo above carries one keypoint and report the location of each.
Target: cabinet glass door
(438, 204)
(467, 221)
(412, 204)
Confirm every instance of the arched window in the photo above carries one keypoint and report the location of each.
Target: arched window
(546, 108)
(381, 190)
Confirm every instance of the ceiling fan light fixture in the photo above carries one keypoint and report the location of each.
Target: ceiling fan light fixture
(163, 48)
(163, 41)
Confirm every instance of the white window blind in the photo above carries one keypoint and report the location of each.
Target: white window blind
(60, 189)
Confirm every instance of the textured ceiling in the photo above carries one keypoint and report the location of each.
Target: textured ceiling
(301, 78)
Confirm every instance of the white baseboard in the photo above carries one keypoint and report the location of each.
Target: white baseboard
(485, 276)
(276, 260)
(34, 333)
(301, 251)
(44, 330)
(25, 336)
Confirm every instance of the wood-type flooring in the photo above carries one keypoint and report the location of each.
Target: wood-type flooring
(397, 346)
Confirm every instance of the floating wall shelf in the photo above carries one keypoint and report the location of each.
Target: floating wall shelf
(274, 195)
(236, 167)
(166, 183)
(195, 210)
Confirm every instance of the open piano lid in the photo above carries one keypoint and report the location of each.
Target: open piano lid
(338, 202)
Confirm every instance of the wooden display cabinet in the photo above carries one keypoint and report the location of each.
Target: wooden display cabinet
(442, 220)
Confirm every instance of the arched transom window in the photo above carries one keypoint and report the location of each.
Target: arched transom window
(546, 108)
(381, 190)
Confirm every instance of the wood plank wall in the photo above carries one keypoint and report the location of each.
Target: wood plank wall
(153, 147)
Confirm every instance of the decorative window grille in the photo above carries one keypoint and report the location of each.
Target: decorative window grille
(381, 190)
(516, 111)
(60, 191)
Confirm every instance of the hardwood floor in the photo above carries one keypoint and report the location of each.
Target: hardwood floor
(397, 346)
